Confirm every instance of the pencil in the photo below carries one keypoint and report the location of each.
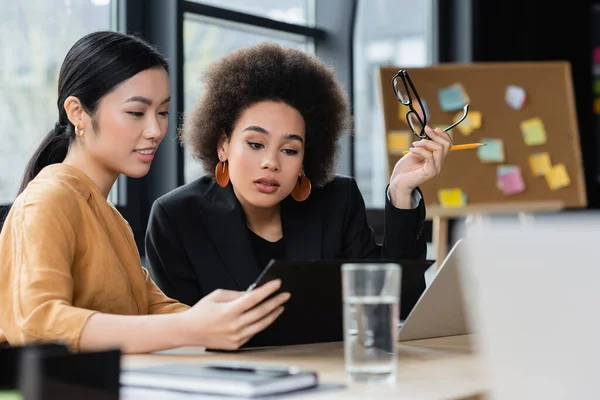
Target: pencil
(458, 147)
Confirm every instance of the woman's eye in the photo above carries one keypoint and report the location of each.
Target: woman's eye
(136, 114)
(164, 113)
(255, 145)
(290, 152)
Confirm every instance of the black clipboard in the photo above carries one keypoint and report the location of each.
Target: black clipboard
(314, 313)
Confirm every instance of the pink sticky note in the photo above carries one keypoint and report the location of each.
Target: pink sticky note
(596, 55)
(511, 182)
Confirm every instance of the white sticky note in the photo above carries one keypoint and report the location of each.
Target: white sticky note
(515, 97)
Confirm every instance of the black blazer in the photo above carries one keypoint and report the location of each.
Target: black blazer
(197, 240)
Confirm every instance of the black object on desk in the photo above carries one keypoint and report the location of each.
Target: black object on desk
(51, 371)
(10, 362)
(314, 313)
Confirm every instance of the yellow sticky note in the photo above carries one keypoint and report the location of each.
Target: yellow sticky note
(597, 106)
(475, 117)
(402, 110)
(465, 127)
(558, 177)
(470, 123)
(454, 197)
(423, 113)
(533, 132)
(540, 164)
(398, 141)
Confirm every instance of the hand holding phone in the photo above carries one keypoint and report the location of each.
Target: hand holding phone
(227, 319)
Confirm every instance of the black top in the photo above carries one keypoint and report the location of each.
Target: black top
(197, 240)
(265, 251)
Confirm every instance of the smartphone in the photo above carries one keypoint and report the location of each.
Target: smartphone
(265, 276)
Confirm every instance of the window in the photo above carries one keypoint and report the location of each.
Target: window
(388, 33)
(291, 11)
(207, 40)
(35, 37)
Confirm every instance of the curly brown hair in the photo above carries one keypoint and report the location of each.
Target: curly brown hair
(269, 72)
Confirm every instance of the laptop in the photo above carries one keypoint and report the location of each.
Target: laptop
(533, 298)
(314, 313)
(440, 310)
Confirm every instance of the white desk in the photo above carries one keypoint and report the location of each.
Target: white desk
(444, 368)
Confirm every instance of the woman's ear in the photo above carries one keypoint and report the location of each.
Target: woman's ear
(223, 145)
(75, 111)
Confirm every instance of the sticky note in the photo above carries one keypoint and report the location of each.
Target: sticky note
(533, 132)
(475, 117)
(397, 141)
(505, 169)
(540, 164)
(403, 110)
(515, 97)
(454, 197)
(510, 180)
(492, 152)
(596, 55)
(597, 87)
(597, 106)
(453, 97)
(470, 123)
(502, 170)
(558, 177)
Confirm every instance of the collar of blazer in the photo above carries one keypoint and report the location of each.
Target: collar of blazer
(225, 222)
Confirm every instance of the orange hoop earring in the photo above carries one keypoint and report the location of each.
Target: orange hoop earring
(222, 173)
(302, 189)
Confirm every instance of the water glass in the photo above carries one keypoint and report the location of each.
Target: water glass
(371, 295)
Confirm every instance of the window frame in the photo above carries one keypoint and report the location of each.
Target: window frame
(161, 23)
(120, 185)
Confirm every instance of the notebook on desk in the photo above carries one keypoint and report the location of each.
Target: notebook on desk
(220, 380)
(314, 313)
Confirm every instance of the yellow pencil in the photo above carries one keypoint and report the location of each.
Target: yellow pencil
(458, 147)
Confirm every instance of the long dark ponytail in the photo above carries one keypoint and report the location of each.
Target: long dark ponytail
(95, 65)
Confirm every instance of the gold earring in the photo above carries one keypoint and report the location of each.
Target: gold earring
(222, 172)
(302, 189)
(78, 131)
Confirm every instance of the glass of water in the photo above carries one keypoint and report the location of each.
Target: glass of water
(371, 315)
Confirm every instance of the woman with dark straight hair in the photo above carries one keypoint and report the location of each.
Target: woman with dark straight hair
(69, 267)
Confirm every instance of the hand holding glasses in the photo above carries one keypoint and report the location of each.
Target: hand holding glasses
(403, 86)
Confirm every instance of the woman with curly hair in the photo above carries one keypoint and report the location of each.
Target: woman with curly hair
(267, 132)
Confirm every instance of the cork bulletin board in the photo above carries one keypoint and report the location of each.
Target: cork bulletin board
(525, 112)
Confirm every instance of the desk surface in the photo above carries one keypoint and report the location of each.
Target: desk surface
(443, 368)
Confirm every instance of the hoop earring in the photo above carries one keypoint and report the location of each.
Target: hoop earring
(78, 131)
(222, 173)
(302, 189)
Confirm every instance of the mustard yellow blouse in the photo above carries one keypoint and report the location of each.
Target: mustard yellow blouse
(65, 254)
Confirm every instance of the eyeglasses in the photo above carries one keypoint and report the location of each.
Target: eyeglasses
(401, 83)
